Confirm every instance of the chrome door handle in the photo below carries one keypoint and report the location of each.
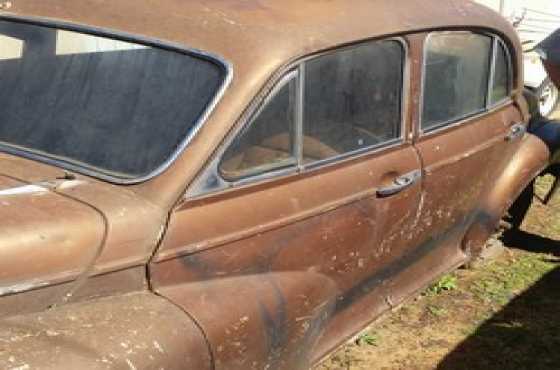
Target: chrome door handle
(400, 183)
(516, 132)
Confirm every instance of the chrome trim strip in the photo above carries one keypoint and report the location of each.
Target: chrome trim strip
(284, 81)
(492, 74)
(499, 105)
(354, 154)
(420, 119)
(511, 76)
(462, 120)
(288, 167)
(138, 39)
(300, 115)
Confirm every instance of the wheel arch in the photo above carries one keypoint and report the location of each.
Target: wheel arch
(532, 157)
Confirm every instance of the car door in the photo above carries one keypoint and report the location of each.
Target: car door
(288, 232)
(469, 129)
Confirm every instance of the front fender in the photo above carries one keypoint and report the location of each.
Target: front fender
(532, 157)
(263, 321)
(134, 332)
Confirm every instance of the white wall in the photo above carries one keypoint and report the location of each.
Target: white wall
(541, 17)
(494, 4)
(512, 6)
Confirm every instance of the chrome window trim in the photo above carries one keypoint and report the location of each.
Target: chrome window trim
(91, 171)
(509, 63)
(353, 154)
(466, 118)
(499, 105)
(492, 75)
(457, 121)
(209, 180)
(292, 161)
(300, 115)
(211, 174)
(290, 167)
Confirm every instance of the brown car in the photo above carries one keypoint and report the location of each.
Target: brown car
(244, 184)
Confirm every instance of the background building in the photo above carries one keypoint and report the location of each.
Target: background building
(536, 18)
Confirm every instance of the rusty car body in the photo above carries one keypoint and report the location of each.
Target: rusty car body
(238, 248)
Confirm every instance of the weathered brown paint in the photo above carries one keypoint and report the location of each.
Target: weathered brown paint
(466, 157)
(70, 230)
(258, 37)
(527, 162)
(131, 331)
(268, 275)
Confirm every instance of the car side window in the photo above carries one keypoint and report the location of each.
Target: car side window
(501, 85)
(457, 68)
(464, 74)
(353, 99)
(267, 142)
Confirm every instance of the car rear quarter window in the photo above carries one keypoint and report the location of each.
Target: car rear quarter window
(457, 69)
(116, 108)
(268, 140)
(353, 99)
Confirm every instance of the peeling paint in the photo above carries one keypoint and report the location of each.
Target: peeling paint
(22, 287)
(41, 188)
(22, 367)
(24, 190)
(130, 364)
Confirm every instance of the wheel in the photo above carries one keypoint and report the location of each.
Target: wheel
(549, 97)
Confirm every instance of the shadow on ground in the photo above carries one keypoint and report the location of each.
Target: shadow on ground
(526, 333)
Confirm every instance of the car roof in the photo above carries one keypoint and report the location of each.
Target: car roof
(245, 31)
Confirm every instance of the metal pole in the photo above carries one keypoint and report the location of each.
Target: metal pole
(502, 6)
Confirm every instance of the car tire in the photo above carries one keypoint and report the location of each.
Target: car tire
(549, 97)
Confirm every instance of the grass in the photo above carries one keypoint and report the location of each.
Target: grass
(500, 281)
(437, 311)
(518, 327)
(445, 284)
(370, 339)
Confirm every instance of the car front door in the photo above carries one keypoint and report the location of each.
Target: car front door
(289, 231)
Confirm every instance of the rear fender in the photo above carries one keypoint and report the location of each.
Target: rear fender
(532, 157)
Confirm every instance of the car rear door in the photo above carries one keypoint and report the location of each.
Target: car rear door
(289, 231)
(469, 128)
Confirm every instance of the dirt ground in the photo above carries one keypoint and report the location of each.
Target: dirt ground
(504, 314)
